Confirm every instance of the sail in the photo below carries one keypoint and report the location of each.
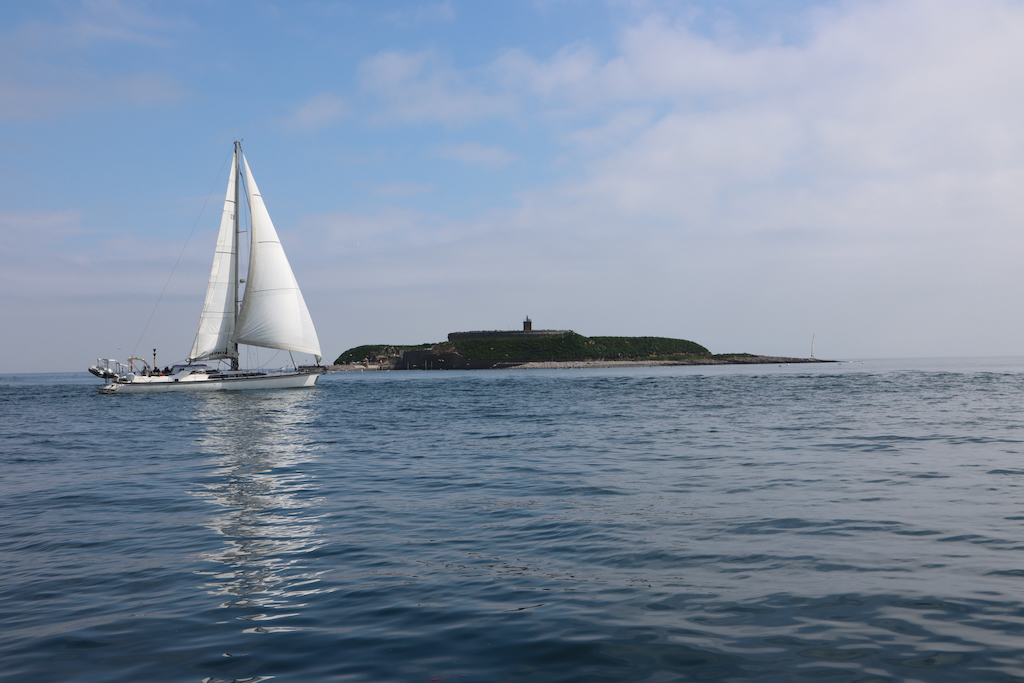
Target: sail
(217, 322)
(274, 314)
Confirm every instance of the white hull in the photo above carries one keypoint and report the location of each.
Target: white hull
(273, 314)
(146, 385)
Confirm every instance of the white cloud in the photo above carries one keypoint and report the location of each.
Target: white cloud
(619, 129)
(95, 22)
(866, 178)
(572, 67)
(912, 97)
(861, 182)
(37, 81)
(316, 113)
(419, 87)
(423, 14)
(95, 291)
(402, 189)
(60, 93)
(28, 228)
(56, 256)
(475, 154)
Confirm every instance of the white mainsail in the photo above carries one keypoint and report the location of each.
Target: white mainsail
(274, 314)
(217, 321)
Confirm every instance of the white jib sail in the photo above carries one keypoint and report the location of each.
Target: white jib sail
(217, 322)
(274, 314)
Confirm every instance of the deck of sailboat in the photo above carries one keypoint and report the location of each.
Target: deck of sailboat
(271, 314)
(229, 381)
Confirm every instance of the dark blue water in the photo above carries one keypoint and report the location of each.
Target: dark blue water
(856, 522)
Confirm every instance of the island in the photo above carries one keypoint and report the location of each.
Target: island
(529, 348)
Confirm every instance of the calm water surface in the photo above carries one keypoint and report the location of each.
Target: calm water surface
(853, 522)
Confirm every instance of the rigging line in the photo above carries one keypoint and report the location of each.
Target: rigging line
(157, 304)
(270, 360)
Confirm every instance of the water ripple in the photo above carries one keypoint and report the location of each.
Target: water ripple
(631, 525)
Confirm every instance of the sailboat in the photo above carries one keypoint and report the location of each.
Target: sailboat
(272, 313)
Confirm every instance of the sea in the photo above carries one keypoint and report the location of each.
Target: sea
(859, 521)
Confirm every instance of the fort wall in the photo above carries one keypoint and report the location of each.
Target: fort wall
(504, 334)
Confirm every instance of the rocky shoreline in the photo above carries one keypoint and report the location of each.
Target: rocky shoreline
(559, 365)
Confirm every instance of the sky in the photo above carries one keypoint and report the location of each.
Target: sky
(744, 174)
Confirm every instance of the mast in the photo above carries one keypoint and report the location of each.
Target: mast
(238, 244)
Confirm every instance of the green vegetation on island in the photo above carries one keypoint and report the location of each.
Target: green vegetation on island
(567, 345)
(576, 346)
(370, 351)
